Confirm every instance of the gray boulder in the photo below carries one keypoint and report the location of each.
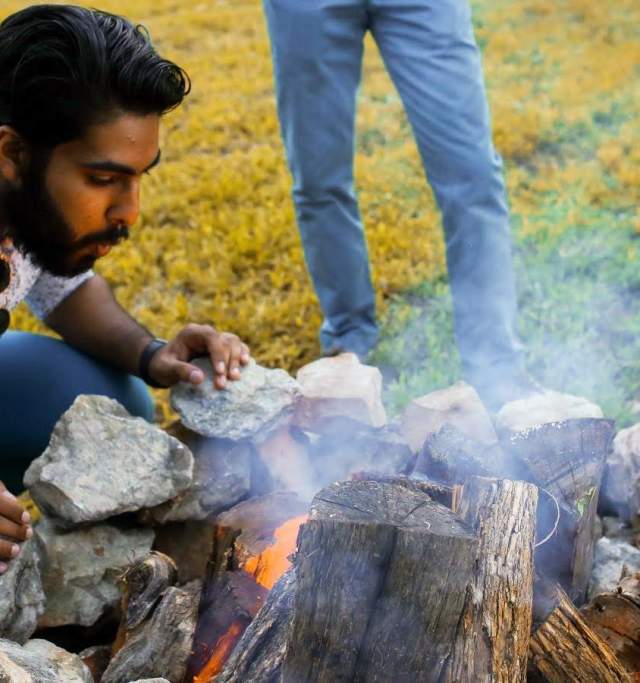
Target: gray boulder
(222, 477)
(101, 462)
(80, 569)
(612, 555)
(40, 662)
(21, 595)
(260, 400)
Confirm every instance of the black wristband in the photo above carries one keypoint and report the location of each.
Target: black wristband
(147, 354)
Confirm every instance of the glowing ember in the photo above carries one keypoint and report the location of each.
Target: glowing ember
(273, 562)
(221, 652)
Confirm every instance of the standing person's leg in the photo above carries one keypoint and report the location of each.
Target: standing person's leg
(430, 51)
(40, 378)
(317, 55)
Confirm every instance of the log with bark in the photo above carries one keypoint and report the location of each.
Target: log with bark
(259, 654)
(493, 637)
(615, 617)
(565, 648)
(383, 576)
(566, 460)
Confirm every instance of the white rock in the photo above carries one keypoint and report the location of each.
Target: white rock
(458, 405)
(339, 387)
(543, 408)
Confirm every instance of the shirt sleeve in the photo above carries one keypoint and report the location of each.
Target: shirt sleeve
(50, 290)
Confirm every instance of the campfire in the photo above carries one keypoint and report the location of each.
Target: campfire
(314, 541)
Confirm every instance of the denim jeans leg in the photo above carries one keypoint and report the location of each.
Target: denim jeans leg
(317, 50)
(429, 49)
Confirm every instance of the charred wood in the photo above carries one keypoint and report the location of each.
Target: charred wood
(259, 654)
(160, 645)
(566, 460)
(383, 573)
(450, 456)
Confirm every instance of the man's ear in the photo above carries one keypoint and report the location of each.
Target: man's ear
(13, 154)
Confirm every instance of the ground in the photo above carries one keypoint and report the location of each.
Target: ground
(217, 238)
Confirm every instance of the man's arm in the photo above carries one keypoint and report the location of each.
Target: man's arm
(93, 321)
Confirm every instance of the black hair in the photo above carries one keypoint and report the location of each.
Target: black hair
(65, 68)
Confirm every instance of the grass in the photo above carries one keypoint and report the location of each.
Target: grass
(217, 240)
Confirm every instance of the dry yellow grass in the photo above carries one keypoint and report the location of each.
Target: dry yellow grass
(217, 240)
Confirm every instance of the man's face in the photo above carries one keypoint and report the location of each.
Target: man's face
(71, 212)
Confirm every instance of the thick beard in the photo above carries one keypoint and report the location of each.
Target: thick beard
(37, 227)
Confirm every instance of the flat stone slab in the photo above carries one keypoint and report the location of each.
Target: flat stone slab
(40, 662)
(101, 462)
(255, 403)
(81, 569)
(21, 596)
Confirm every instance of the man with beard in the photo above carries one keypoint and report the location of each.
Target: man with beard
(81, 97)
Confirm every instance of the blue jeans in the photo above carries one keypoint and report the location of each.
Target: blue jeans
(430, 52)
(40, 378)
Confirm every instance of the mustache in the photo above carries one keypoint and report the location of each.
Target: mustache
(111, 235)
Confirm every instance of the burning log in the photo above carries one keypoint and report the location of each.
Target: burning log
(259, 654)
(251, 546)
(566, 460)
(493, 638)
(383, 574)
(564, 648)
(615, 617)
(229, 604)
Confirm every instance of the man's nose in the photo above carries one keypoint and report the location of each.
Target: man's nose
(124, 211)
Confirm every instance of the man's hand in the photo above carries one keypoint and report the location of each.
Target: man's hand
(14, 527)
(171, 363)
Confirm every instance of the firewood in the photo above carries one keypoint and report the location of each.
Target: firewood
(566, 460)
(615, 617)
(259, 654)
(161, 644)
(450, 456)
(564, 648)
(383, 574)
(228, 605)
(493, 638)
(142, 585)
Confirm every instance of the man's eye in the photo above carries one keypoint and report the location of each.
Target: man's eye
(101, 180)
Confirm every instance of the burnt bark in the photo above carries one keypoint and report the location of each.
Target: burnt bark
(383, 573)
(565, 648)
(566, 460)
(259, 654)
(493, 637)
(160, 645)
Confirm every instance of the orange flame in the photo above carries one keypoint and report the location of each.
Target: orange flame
(273, 562)
(221, 652)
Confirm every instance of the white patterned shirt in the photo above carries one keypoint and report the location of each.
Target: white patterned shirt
(42, 291)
